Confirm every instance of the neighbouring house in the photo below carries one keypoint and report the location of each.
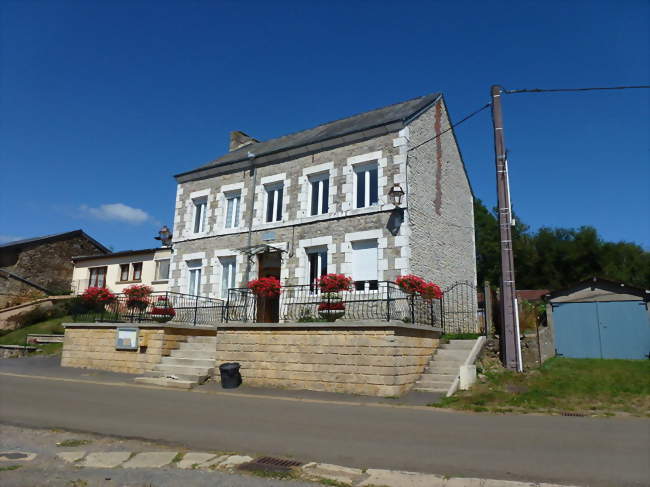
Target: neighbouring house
(119, 270)
(43, 264)
(599, 318)
(374, 196)
(318, 201)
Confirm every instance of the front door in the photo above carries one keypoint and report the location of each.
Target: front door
(268, 309)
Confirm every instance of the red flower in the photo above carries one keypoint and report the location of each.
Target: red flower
(138, 292)
(430, 291)
(334, 283)
(267, 287)
(163, 311)
(98, 295)
(410, 284)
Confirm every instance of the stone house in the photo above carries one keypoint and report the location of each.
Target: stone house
(43, 264)
(317, 201)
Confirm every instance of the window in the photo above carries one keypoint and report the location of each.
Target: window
(366, 184)
(194, 276)
(317, 257)
(365, 269)
(274, 202)
(232, 209)
(320, 188)
(97, 277)
(228, 274)
(200, 206)
(137, 271)
(124, 272)
(162, 270)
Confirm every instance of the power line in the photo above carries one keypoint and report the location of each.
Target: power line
(476, 112)
(556, 90)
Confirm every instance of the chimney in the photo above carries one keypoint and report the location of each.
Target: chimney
(239, 139)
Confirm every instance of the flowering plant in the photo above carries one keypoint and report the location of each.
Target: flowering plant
(334, 283)
(431, 290)
(410, 284)
(163, 307)
(266, 287)
(98, 295)
(137, 296)
(339, 306)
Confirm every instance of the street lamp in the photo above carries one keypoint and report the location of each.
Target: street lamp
(395, 194)
(165, 236)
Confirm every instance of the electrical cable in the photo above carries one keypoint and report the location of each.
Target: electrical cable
(557, 90)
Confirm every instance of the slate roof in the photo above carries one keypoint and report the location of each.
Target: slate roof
(357, 123)
(53, 237)
(121, 253)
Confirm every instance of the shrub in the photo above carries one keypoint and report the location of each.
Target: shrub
(266, 287)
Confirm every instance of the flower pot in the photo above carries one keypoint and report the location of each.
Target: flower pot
(161, 318)
(331, 315)
(137, 304)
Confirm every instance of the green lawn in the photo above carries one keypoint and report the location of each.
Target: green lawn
(584, 386)
(53, 326)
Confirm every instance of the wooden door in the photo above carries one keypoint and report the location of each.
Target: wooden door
(268, 309)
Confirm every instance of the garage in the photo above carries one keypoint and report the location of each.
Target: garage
(599, 318)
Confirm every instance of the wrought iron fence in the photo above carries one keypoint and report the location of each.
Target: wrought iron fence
(460, 310)
(158, 307)
(367, 300)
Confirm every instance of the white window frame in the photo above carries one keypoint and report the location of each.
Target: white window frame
(268, 190)
(235, 219)
(199, 213)
(228, 265)
(319, 251)
(364, 167)
(194, 276)
(320, 180)
(157, 274)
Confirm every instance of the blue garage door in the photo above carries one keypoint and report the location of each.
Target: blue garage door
(614, 329)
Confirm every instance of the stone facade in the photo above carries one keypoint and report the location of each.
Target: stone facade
(46, 262)
(92, 346)
(375, 360)
(435, 238)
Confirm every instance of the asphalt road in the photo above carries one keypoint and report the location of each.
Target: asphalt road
(581, 451)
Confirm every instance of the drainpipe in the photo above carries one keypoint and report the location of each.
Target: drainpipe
(251, 211)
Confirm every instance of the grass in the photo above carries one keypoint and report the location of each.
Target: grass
(460, 336)
(589, 386)
(49, 327)
(73, 443)
(8, 468)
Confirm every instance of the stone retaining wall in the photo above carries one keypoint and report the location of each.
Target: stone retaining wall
(92, 346)
(376, 360)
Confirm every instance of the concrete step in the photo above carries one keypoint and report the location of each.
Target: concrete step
(195, 378)
(433, 384)
(183, 369)
(199, 346)
(202, 339)
(188, 362)
(430, 389)
(164, 382)
(451, 354)
(193, 354)
(443, 368)
(458, 345)
(439, 377)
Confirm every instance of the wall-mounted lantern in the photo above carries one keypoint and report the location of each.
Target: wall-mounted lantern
(396, 194)
(165, 236)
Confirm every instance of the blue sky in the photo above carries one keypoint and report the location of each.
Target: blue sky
(102, 102)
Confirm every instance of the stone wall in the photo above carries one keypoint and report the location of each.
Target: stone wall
(377, 360)
(92, 346)
(47, 264)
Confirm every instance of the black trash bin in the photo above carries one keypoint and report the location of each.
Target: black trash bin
(230, 376)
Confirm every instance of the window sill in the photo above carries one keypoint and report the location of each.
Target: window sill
(160, 281)
(128, 282)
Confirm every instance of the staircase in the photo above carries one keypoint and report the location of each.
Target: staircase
(444, 366)
(191, 364)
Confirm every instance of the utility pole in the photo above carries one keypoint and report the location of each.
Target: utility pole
(509, 320)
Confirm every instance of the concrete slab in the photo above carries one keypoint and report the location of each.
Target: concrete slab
(235, 460)
(71, 456)
(465, 482)
(109, 459)
(215, 462)
(336, 473)
(195, 458)
(151, 459)
(392, 478)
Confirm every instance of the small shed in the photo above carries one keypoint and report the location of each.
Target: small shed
(599, 318)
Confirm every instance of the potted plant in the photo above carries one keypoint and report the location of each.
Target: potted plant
(163, 310)
(332, 306)
(97, 298)
(137, 296)
(410, 284)
(265, 287)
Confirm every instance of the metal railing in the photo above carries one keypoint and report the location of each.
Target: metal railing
(161, 307)
(367, 300)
